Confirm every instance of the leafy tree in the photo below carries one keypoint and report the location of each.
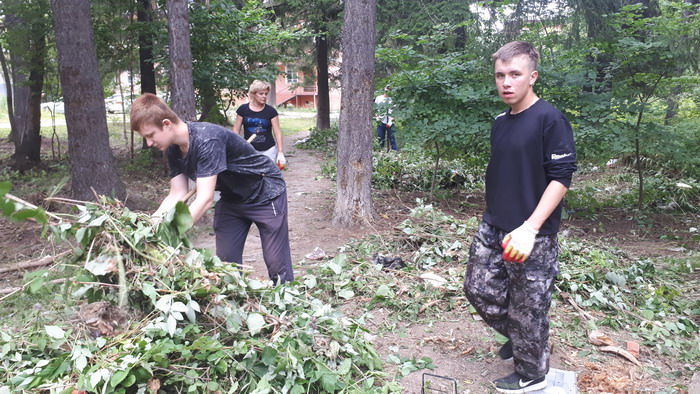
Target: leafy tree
(93, 168)
(232, 46)
(322, 18)
(353, 204)
(646, 53)
(443, 102)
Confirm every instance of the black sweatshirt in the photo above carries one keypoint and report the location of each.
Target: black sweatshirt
(528, 151)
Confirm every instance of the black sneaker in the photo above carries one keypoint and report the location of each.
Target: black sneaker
(506, 351)
(517, 383)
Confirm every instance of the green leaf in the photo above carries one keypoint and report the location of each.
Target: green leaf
(183, 218)
(310, 281)
(118, 377)
(335, 268)
(345, 367)
(98, 221)
(37, 279)
(129, 381)
(149, 291)
(255, 323)
(55, 332)
(346, 294)
(5, 188)
(269, 355)
(383, 291)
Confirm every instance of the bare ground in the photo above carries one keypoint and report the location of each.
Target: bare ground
(461, 347)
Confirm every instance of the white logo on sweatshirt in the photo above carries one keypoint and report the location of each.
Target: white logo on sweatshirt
(557, 157)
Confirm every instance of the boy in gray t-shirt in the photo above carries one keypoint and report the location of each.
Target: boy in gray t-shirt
(252, 188)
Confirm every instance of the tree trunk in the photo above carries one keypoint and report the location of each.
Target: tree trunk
(27, 57)
(146, 67)
(208, 99)
(93, 166)
(638, 157)
(8, 91)
(181, 83)
(323, 108)
(144, 14)
(20, 90)
(353, 204)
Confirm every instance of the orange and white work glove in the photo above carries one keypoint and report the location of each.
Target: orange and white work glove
(281, 161)
(518, 244)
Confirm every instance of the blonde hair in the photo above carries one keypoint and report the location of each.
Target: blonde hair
(258, 86)
(149, 109)
(517, 48)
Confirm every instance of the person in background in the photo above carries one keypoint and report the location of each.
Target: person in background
(513, 258)
(259, 118)
(385, 126)
(252, 188)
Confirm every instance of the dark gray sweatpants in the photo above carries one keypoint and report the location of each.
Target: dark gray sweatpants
(514, 298)
(232, 222)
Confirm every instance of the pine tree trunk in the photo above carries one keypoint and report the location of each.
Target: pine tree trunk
(146, 67)
(181, 84)
(8, 90)
(93, 166)
(323, 108)
(353, 204)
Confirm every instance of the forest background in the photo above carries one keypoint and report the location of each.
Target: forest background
(625, 73)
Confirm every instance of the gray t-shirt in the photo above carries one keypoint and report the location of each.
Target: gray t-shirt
(244, 174)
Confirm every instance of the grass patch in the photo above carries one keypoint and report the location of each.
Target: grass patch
(291, 126)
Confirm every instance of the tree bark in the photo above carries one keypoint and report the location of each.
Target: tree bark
(144, 15)
(27, 55)
(181, 83)
(323, 108)
(353, 204)
(8, 91)
(146, 67)
(28, 140)
(93, 166)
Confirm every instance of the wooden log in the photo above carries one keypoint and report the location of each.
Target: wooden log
(46, 260)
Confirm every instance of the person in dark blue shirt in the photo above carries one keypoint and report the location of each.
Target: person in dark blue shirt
(262, 120)
(513, 258)
(252, 188)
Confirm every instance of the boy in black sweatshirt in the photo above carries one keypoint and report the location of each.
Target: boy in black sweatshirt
(513, 258)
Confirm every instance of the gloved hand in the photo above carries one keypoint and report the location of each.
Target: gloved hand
(281, 161)
(517, 244)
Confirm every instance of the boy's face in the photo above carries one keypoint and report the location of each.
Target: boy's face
(514, 79)
(158, 137)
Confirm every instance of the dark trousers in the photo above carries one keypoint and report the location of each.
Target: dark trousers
(514, 298)
(232, 222)
(382, 132)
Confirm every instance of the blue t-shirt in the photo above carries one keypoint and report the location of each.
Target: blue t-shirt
(244, 175)
(528, 150)
(260, 124)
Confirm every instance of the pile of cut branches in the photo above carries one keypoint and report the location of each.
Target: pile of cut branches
(143, 311)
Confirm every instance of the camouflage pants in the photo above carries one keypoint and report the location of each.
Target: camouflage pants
(514, 298)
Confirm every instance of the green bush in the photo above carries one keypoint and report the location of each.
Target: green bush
(324, 140)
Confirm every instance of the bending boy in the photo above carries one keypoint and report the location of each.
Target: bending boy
(252, 188)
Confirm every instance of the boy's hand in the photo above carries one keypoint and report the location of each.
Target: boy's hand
(281, 161)
(517, 244)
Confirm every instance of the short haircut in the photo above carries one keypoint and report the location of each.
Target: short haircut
(517, 48)
(258, 86)
(149, 109)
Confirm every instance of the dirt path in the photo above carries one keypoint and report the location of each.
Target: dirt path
(310, 201)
